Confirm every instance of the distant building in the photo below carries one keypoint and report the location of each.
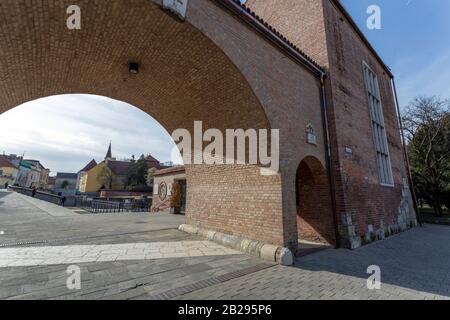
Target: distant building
(44, 173)
(82, 174)
(21, 178)
(110, 174)
(8, 171)
(153, 163)
(169, 191)
(13, 158)
(66, 180)
(43, 181)
(29, 175)
(51, 183)
(66, 183)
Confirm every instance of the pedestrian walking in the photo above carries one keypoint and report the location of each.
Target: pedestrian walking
(33, 192)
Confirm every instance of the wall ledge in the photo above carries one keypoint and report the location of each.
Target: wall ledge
(265, 251)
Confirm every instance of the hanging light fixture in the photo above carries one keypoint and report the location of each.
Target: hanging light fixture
(133, 67)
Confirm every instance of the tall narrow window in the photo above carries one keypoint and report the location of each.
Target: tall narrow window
(378, 127)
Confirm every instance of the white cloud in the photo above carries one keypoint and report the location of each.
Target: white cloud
(65, 132)
(432, 79)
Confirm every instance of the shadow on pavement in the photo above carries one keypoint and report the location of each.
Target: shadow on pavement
(4, 193)
(418, 259)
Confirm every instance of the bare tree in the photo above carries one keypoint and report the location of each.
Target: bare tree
(136, 176)
(427, 130)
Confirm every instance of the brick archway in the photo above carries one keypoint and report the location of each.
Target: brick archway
(214, 67)
(314, 207)
(184, 76)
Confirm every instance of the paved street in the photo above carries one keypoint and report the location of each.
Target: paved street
(25, 219)
(144, 256)
(414, 265)
(44, 256)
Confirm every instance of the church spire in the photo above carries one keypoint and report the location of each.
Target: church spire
(109, 153)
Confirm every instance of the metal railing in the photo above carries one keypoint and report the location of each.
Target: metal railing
(108, 206)
(45, 196)
(91, 205)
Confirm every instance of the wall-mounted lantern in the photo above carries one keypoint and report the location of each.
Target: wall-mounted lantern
(133, 67)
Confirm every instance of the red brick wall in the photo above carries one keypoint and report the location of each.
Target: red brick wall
(235, 200)
(212, 67)
(320, 29)
(314, 207)
(301, 21)
(365, 199)
(290, 96)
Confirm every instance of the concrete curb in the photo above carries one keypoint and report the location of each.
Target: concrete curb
(268, 252)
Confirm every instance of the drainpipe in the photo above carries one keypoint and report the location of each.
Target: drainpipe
(405, 154)
(329, 156)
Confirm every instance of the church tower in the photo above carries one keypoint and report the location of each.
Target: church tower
(109, 153)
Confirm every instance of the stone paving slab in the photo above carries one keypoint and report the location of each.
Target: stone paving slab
(79, 239)
(286, 283)
(47, 207)
(23, 221)
(41, 256)
(414, 265)
(116, 280)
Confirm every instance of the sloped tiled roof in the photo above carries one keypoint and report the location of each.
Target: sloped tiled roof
(5, 163)
(36, 163)
(89, 166)
(66, 175)
(150, 158)
(119, 167)
(153, 162)
(175, 169)
(122, 167)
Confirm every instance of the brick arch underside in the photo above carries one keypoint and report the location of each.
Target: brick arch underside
(314, 207)
(183, 77)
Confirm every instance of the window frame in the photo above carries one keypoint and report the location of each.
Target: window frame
(378, 127)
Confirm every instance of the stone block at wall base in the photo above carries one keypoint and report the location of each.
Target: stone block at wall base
(265, 251)
(348, 237)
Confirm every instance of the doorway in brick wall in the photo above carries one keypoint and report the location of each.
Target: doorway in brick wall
(183, 189)
(315, 223)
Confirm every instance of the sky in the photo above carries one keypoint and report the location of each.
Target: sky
(414, 41)
(66, 132)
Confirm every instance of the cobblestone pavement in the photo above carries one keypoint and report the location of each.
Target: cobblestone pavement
(25, 219)
(152, 255)
(414, 265)
(42, 256)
